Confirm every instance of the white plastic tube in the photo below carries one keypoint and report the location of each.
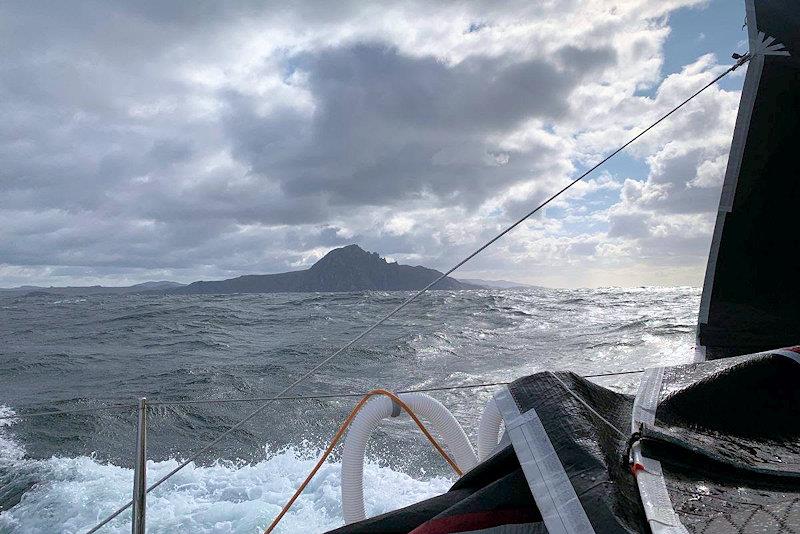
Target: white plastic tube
(489, 430)
(438, 419)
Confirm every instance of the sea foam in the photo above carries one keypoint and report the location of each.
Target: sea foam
(71, 495)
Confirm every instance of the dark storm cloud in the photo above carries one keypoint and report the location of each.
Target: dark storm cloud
(387, 127)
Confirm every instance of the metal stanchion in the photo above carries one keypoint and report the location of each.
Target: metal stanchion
(140, 471)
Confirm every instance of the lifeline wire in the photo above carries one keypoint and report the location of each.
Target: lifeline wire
(744, 59)
(284, 398)
(360, 394)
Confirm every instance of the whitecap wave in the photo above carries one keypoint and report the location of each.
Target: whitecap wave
(71, 495)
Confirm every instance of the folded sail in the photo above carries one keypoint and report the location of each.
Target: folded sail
(749, 300)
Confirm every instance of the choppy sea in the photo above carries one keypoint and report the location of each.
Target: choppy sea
(64, 473)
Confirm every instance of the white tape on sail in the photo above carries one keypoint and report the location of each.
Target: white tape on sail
(552, 490)
(746, 106)
(649, 477)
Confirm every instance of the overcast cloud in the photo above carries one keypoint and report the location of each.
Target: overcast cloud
(166, 140)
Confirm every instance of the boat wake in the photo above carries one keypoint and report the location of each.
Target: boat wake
(71, 495)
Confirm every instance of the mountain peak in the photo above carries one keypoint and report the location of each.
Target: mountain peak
(352, 249)
(349, 255)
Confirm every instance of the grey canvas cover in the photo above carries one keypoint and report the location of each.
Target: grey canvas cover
(726, 435)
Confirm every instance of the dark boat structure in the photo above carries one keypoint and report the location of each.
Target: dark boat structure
(708, 447)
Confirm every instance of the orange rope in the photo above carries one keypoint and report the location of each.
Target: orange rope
(340, 433)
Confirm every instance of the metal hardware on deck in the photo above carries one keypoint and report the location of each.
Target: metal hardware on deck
(140, 472)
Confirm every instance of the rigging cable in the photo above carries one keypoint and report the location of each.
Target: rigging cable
(741, 61)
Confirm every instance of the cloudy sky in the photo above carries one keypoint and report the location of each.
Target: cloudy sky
(155, 140)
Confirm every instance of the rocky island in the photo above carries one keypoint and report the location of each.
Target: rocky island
(349, 268)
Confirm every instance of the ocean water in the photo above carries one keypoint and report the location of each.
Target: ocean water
(65, 473)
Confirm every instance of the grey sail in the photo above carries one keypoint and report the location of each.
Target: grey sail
(752, 282)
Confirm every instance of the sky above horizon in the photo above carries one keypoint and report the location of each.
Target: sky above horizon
(162, 140)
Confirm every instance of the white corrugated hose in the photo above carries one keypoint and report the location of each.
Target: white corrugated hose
(428, 409)
(489, 430)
